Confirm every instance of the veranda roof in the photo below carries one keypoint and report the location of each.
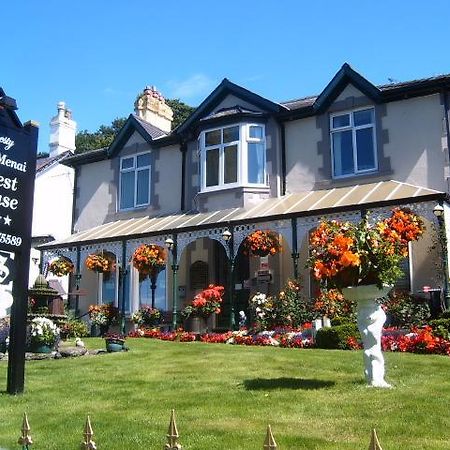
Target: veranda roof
(360, 196)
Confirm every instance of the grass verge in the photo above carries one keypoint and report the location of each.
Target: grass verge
(225, 396)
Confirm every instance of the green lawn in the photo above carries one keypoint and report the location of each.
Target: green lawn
(225, 396)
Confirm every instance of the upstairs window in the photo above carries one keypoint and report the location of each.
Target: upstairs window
(353, 142)
(232, 156)
(135, 181)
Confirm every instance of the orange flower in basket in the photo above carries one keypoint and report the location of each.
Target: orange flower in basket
(149, 260)
(262, 243)
(99, 263)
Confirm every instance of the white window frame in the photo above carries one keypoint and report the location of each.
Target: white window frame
(351, 127)
(134, 169)
(242, 156)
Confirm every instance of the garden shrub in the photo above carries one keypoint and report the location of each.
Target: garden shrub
(337, 337)
(405, 310)
(74, 328)
(291, 308)
(441, 327)
(331, 303)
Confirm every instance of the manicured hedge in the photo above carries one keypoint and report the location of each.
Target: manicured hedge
(337, 337)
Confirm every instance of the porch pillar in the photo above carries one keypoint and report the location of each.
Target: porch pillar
(442, 214)
(295, 255)
(77, 281)
(228, 236)
(171, 244)
(122, 285)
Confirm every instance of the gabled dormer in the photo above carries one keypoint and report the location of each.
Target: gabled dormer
(234, 148)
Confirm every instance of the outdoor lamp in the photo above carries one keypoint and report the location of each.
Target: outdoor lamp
(169, 243)
(226, 235)
(438, 210)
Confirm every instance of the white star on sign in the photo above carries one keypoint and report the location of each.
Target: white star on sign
(7, 220)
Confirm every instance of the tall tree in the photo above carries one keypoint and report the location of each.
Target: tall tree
(86, 141)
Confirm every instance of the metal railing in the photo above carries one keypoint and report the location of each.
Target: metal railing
(172, 436)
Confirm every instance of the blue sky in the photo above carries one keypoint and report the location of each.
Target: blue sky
(97, 55)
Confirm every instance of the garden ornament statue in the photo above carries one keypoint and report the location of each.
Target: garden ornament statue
(242, 319)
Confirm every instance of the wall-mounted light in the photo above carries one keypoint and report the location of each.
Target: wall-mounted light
(169, 243)
(226, 235)
(438, 210)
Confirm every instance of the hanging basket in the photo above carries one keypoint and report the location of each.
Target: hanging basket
(149, 260)
(99, 263)
(262, 243)
(60, 267)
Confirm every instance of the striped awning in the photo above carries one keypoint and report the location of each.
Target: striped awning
(292, 205)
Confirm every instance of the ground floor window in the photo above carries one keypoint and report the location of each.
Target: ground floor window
(145, 292)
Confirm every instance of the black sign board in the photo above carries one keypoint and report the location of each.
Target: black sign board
(17, 171)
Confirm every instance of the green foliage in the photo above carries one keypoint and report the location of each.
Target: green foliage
(181, 111)
(336, 337)
(441, 327)
(74, 328)
(103, 137)
(292, 307)
(405, 310)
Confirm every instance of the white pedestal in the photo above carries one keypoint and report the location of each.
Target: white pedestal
(371, 318)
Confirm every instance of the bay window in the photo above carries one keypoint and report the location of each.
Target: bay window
(135, 181)
(353, 143)
(232, 156)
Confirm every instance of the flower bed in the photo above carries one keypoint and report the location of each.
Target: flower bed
(417, 341)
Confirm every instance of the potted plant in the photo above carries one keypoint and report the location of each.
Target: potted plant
(146, 316)
(103, 316)
(362, 260)
(60, 267)
(262, 243)
(115, 342)
(43, 335)
(205, 305)
(4, 334)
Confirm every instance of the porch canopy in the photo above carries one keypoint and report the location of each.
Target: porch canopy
(299, 205)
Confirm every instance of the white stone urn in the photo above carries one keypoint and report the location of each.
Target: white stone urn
(371, 318)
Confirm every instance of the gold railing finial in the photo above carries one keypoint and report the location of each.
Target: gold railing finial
(172, 435)
(269, 443)
(374, 442)
(25, 440)
(88, 443)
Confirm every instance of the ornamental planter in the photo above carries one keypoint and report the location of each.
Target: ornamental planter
(371, 318)
(201, 324)
(115, 345)
(40, 348)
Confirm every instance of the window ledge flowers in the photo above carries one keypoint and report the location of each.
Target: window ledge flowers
(262, 243)
(347, 254)
(206, 302)
(149, 260)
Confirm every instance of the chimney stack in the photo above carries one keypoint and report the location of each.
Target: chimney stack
(62, 131)
(151, 107)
